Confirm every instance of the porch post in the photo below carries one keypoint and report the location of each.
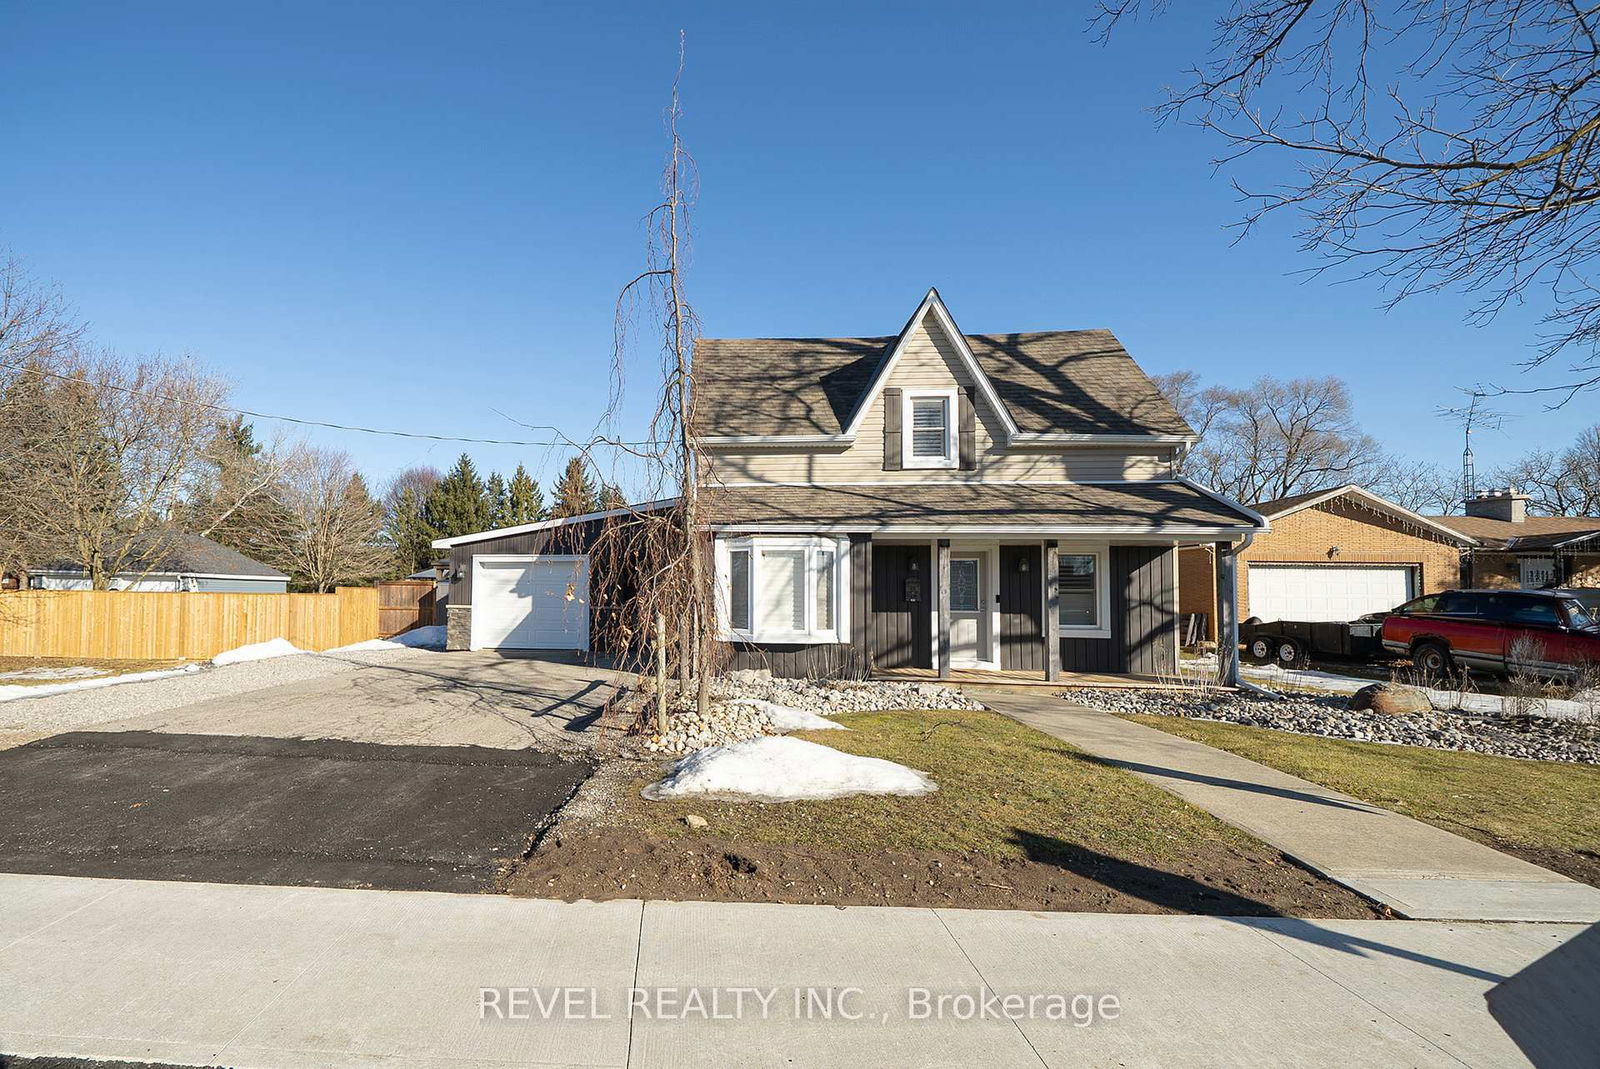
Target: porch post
(1227, 615)
(942, 642)
(1051, 581)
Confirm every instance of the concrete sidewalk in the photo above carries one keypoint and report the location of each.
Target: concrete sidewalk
(254, 976)
(1416, 869)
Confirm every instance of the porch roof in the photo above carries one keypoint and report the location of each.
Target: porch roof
(1178, 509)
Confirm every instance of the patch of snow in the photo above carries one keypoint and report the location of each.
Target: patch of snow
(75, 672)
(257, 651)
(15, 691)
(418, 638)
(781, 769)
(786, 718)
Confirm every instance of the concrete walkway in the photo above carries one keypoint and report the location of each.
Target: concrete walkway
(278, 977)
(1416, 869)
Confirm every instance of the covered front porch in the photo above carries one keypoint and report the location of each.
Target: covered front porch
(1033, 581)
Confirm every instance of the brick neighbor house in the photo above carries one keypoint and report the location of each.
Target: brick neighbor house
(1330, 555)
(1516, 550)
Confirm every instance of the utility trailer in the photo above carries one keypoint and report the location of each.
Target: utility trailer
(1292, 643)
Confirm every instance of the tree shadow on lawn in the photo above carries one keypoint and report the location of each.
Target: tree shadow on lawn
(1168, 890)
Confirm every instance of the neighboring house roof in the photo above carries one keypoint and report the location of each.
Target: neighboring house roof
(182, 553)
(1288, 506)
(1535, 532)
(1121, 508)
(1079, 382)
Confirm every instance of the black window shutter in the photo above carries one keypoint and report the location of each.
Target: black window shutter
(969, 432)
(891, 430)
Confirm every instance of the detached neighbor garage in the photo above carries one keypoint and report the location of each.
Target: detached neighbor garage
(1331, 555)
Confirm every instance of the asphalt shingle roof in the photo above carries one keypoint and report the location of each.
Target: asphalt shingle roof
(1053, 381)
(1529, 534)
(1128, 505)
(182, 553)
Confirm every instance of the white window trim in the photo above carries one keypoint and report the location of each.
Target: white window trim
(1102, 558)
(812, 634)
(952, 419)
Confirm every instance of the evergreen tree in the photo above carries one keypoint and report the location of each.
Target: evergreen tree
(408, 528)
(499, 501)
(459, 503)
(575, 492)
(611, 498)
(524, 500)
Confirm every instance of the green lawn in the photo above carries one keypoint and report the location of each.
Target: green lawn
(1020, 821)
(1546, 811)
(996, 777)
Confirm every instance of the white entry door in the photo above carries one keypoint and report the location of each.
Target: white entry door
(969, 620)
(530, 603)
(1326, 591)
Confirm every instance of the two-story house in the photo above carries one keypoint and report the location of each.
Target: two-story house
(928, 500)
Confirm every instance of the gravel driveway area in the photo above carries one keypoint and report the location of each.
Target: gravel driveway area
(399, 697)
(25, 719)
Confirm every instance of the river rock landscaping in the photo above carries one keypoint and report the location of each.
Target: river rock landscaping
(751, 704)
(1528, 737)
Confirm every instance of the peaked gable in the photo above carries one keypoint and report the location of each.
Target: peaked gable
(1041, 385)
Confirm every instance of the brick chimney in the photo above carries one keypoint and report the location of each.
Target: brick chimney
(1503, 504)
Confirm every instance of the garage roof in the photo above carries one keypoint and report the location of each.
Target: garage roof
(1288, 506)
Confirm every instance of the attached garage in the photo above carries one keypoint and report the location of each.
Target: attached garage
(530, 602)
(1327, 591)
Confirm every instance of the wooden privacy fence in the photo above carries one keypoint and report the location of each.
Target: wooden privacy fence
(125, 624)
(404, 604)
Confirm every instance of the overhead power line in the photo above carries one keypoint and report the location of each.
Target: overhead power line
(562, 440)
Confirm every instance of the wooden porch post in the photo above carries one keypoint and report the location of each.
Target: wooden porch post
(1227, 615)
(1051, 581)
(942, 642)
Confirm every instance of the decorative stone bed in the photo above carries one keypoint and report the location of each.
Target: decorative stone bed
(1534, 738)
(736, 713)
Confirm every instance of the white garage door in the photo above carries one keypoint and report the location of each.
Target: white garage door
(1326, 591)
(530, 603)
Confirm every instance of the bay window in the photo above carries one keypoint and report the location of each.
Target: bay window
(781, 589)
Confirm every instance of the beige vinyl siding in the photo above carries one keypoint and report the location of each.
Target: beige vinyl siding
(930, 361)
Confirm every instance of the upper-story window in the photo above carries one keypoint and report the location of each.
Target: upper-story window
(929, 427)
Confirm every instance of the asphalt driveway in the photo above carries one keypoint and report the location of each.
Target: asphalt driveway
(408, 769)
(235, 809)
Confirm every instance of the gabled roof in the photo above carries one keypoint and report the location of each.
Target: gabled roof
(1535, 532)
(1043, 385)
(182, 553)
(1288, 506)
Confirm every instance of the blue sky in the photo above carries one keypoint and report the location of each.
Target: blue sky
(418, 215)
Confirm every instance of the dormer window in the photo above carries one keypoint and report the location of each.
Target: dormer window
(929, 429)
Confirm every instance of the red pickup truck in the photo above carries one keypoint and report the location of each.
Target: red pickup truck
(1549, 631)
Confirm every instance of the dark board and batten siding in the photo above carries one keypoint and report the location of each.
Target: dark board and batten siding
(1021, 609)
(1144, 610)
(901, 631)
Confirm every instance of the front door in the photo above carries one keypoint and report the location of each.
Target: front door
(969, 623)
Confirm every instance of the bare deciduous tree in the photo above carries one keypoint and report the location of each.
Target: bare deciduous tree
(333, 527)
(98, 454)
(1560, 482)
(1439, 144)
(1274, 438)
